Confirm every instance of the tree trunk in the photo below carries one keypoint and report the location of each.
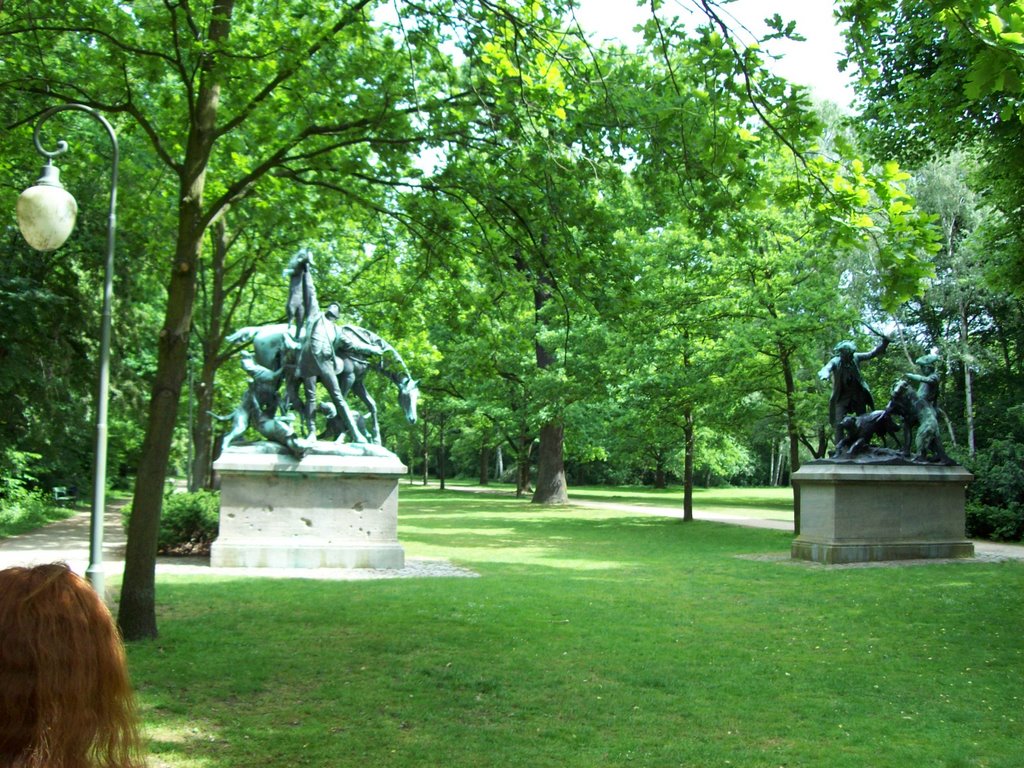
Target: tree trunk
(968, 381)
(659, 474)
(426, 451)
(551, 484)
(774, 471)
(690, 446)
(137, 613)
(780, 466)
(499, 463)
(440, 454)
(551, 487)
(483, 465)
(202, 433)
(523, 466)
(791, 431)
(690, 443)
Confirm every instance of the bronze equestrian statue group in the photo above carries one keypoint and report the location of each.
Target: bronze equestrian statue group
(308, 349)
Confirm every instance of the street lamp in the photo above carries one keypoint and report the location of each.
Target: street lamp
(46, 215)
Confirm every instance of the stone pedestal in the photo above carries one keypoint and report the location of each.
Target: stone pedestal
(852, 513)
(325, 511)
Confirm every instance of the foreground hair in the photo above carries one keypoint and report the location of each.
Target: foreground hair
(65, 697)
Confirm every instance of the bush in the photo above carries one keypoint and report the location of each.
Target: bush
(189, 523)
(26, 511)
(995, 508)
(16, 476)
(995, 523)
(999, 473)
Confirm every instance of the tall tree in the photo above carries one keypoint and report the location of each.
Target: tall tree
(230, 97)
(953, 307)
(937, 76)
(531, 189)
(940, 75)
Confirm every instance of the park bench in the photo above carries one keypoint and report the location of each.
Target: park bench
(64, 495)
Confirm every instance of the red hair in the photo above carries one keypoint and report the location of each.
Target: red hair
(65, 697)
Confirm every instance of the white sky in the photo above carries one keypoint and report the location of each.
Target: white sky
(811, 63)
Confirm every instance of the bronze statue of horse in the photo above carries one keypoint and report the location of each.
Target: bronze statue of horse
(274, 348)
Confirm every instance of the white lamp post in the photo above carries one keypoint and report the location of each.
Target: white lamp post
(46, 216)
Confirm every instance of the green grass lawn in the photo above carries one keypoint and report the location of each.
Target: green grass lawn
(764, 503)
(591, 638)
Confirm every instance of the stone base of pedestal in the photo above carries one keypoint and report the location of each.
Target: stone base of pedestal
(852, 513)
(324, 511)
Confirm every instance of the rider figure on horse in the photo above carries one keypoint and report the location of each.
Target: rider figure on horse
(347, 342)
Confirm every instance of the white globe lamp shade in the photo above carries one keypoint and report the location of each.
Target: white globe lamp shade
(46, 212)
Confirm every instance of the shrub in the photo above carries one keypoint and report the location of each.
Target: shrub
(16, 476)
(998, 474)
(995, 523)
(995, 508)
(189, 522)
(28, 511)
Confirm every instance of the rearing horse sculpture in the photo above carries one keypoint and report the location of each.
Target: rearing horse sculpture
(318, 351)
(353, 372)
(274, 348)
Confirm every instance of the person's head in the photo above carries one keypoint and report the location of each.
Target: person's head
(333, 311)
(927, 362)
(845, 349)
(65, 697)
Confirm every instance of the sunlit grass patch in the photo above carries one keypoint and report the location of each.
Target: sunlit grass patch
(593, 638)
(765, 503)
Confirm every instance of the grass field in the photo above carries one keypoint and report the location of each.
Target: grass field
(591, 638)
(764, 503)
